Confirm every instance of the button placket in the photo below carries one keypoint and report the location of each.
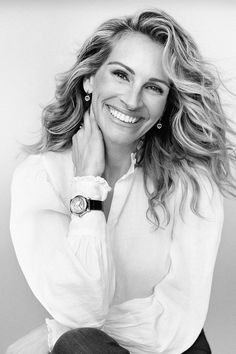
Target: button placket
(120, 195)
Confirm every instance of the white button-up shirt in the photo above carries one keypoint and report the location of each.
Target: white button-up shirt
(148, 288)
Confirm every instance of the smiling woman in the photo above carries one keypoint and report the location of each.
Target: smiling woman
(130, 90)
(117, 212)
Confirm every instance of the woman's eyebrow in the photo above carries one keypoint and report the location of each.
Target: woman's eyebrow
(132, 72)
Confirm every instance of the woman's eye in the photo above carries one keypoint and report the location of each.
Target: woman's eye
(120, 74)
(156, 89)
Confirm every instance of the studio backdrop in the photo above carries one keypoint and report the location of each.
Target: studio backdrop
(39, 39)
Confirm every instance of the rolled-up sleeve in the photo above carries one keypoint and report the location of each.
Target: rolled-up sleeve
(64, 258)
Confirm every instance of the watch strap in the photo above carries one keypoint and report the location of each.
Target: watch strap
(95, 204)
(80, 205)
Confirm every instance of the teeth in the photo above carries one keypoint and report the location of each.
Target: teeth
(123, 117)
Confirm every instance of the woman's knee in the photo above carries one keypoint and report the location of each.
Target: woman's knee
(86, 341)
(70, 341)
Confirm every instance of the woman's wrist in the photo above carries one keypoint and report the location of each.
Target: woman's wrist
(94, 187)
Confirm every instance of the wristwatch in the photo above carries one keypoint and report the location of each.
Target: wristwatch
(80, 205)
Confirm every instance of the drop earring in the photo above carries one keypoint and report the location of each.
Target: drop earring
(87, 97)
(159, 126)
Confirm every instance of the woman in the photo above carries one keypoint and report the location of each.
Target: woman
(117, 215)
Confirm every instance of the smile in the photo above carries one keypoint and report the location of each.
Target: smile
(123, 117)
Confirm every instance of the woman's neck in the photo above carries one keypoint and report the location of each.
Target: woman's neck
(117, 163)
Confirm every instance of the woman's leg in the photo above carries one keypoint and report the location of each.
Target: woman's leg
(87, 341)
(95, 341)
(200, 346)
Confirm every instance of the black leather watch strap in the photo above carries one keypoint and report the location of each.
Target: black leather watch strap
(80, 205)
(95, 204)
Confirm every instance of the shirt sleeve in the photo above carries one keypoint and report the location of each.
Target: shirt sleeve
(65, 259)
(170, 320)
(185, 292)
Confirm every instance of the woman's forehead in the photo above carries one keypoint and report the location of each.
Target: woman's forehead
(139, 52)
(136, 43)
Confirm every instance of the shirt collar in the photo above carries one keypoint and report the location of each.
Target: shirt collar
(132, 166)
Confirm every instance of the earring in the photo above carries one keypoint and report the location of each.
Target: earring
(87, 97)
(159, 125)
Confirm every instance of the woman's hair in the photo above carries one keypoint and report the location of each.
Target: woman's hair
(194, 129)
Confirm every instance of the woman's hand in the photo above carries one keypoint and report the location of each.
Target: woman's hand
(88, 148)
(35, 342)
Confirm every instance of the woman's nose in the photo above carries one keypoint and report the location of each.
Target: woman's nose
(132, 99)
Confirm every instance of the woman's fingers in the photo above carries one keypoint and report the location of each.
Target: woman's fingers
(94, 126)
(87, 123)
(91, 114)
(88, 148)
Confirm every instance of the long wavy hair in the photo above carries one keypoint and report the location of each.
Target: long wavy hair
(194, 132)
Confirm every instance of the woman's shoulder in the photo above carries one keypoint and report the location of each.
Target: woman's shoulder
(43, 180)
(49, 161)
(53, 167)
(198, 176)
(199, 189)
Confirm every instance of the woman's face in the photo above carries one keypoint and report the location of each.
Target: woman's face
(129, 91)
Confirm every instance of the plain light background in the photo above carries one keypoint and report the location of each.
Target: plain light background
(39, 39)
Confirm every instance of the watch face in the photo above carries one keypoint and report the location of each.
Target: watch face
(78, 204)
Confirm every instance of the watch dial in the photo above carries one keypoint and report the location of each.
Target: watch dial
(79, 204)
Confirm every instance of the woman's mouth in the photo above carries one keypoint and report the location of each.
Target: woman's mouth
(123, 117)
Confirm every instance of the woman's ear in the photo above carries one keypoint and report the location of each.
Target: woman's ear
(88, 84)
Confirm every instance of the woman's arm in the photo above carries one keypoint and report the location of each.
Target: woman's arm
(64, 259)
(171, 319)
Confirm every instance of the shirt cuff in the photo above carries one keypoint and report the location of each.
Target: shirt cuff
(90, 187)
(55, 331)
